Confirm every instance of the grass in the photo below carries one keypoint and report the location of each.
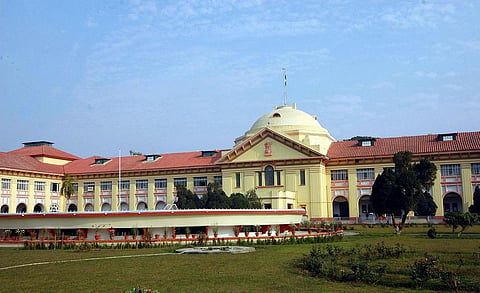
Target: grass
(270, 268)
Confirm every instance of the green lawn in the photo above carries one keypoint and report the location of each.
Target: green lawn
(270, 268)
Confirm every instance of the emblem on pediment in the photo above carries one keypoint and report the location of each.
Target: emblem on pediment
(268, 149)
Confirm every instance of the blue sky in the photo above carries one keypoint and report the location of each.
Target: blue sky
(171, 76)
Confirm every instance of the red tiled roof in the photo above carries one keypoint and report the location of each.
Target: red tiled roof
(27, 163)
(44, 151)
(136, 163)
(423, 144)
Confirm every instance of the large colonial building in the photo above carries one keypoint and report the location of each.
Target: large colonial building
(287, 157)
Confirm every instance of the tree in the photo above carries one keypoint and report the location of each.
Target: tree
(187, 199)
(398, 192)
(216, 197)
(238, 201)
(426, 206)
(475, 207)
(68, 187)
(253, 200)
(460, 219)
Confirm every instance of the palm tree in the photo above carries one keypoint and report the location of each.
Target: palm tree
(67, 188)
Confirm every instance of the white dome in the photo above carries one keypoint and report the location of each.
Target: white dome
(295, 124)
(285, 118)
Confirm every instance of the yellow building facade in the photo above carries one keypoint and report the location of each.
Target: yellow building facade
(286, 157)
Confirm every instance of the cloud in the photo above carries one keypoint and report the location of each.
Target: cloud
(430, 75)
(454, 87)
(471, 44)
(423, 14)
(381, 85)
(344, 104)
(142, 9)
(451, 74)
(91, 22)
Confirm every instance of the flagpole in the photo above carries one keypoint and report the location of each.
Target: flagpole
(119, 177)
(284, 70)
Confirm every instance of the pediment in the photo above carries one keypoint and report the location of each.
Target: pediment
(268, 145)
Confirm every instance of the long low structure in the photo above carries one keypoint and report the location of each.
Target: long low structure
(157, 222)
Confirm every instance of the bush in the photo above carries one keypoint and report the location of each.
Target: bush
(355, 264)
(141, 290)
(426, 269)
(364, 271)
(432, 233)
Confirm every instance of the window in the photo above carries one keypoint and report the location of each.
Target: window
(141, 184)
(72, 208)
(339, 175)
(101, 161)
(55, 187)
(39, 186)
(75, 187)
(22, 184)
(160, 183)
(4, 209)
(124, 206)
(217, 180)
(141, 206)
(151, 158)
(365, 174)
(21, 208)
(106, 207)
(447, 137)
(89, 186)
(54, 208)
(269, 176)
(366, 143)
(5, 184)
(106, 186)
(38, 208)
(237, 180)
(450, 170)
(476, 169)
(200, 181)
(208, 153)
(125, 184)
(302, 177)
(180, 182)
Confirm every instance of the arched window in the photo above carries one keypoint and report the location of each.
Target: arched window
(366, 208)
(21, 208)
(160, 205)
(89, 207)
(141, 206)
(38, 208)
(4, 209)
(269, 176)
(452, 202)
(124, 206)
(54, 208)
(340, 207)
(72, 207)
(106, 207)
